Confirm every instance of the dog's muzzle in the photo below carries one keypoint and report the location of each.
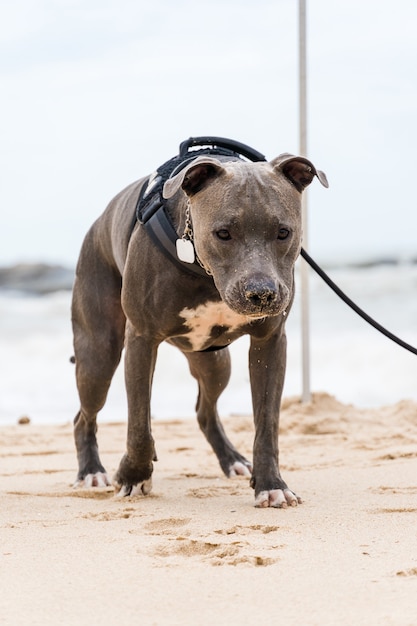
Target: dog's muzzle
(261, 295)
(258, 297)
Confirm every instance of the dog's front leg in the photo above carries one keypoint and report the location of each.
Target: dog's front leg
(267, 361)
(135, 470)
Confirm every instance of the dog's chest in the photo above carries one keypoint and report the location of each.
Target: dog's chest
(210, 322)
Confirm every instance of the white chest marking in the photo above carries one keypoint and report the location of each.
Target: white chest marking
(201, 320)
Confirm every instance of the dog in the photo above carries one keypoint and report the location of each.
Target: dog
(238, 231)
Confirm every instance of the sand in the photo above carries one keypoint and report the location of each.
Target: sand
(196, 551)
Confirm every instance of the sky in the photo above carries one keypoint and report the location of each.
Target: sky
(96, 94)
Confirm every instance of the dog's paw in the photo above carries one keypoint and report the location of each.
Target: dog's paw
(240, 469)
(277, 498)
(99, 479)
(141, 489)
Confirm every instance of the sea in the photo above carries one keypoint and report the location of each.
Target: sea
(348, 358)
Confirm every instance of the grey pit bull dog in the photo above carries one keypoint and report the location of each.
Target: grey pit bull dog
(242, 220)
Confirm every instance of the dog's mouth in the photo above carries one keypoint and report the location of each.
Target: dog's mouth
(259, 313)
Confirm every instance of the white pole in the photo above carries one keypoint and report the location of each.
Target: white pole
(305, 321)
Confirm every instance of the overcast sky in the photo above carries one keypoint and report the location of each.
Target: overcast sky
(97, 93)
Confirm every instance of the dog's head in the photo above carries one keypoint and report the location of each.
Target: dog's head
(246, 220)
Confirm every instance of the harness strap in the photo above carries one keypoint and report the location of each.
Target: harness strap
(164, 235)
(229, 144)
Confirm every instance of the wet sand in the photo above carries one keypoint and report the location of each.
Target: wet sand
(196, 551)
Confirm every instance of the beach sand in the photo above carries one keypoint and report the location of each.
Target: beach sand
(196, 551)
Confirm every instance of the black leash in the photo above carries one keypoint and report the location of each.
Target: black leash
(354, 306)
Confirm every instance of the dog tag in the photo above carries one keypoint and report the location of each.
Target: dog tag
(185, 250)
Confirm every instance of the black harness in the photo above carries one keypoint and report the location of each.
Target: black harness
(151, 210)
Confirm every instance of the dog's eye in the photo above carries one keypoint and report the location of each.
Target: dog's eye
(283, 233)
(223, 234)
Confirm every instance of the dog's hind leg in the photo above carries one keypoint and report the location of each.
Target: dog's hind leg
(98, 325)
(212, 371)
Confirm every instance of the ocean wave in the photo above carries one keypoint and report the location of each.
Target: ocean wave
(45, 278)
(349, 358)
(36, 278)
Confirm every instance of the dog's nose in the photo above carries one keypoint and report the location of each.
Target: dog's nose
(261, 294)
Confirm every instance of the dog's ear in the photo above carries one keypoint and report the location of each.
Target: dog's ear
(194, 177)
(299, 170)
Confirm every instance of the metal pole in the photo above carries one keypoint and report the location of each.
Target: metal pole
(305, 319)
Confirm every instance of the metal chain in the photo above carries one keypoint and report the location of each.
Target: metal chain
(188, 235)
